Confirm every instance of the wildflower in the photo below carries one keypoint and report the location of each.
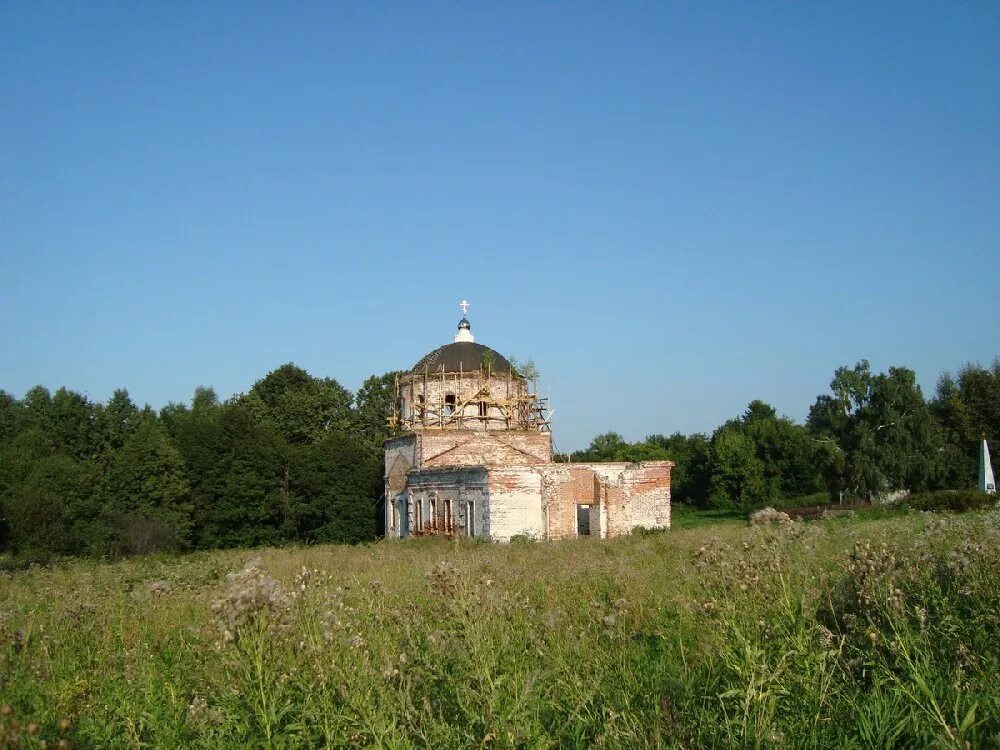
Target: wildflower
(251, 594)
(158, 588)
(197, 707)
(444, 578)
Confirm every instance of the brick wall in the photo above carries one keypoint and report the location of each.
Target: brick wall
(514, 487)
(456, 489)
(470, 448)
(515, 506)
(400, 455)
(621, 495)
(564, 487)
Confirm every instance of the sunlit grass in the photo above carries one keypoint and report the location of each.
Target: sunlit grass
(839, 633)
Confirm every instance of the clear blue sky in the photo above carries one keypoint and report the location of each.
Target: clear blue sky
(674, 208)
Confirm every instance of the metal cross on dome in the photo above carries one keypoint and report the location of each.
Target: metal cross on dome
(465, 306)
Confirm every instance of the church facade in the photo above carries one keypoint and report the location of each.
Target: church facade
(473, 457)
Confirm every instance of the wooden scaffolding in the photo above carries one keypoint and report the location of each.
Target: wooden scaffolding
(480, 399)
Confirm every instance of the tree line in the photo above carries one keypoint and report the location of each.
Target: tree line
(296, 459)
(299, 459)
(872, 435)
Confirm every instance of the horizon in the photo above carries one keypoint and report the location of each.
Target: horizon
(672, 211)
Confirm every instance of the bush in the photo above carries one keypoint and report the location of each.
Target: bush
(805, 501)
(957, 501)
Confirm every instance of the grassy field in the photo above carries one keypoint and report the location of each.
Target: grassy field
(843, 632)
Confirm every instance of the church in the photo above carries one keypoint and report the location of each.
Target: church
(473, 457)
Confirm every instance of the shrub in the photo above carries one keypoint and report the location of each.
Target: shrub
(958, 501)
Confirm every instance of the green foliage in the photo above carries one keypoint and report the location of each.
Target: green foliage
(527, 370)
(786, 460)
(839, 633)
(52, 510)
(691, 477)
(147, 494)
(289, 461)
(333, 487)
(487, 361)
(885, 430)
(373, 408)
(967, 405)
(737, 472)
(302, 407)
(297, 458)
(611, 446)
(957, 501)
(10, 417)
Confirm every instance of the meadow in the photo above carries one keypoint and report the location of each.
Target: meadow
(845, 632)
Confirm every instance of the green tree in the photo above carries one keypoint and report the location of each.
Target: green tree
(146, 492)
(116, 422)
(737, 472)
(785, 450)
(691, 477)
(303, 408)
(967, 406)
(334, 487)
(71, 423)
(37, 408)
(53, 510)
(884, 429)
(373, 408)
(608, 446)
(11, 417)
(238, 471)
(18, 458)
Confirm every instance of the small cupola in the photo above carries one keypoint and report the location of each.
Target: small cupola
(464, 326)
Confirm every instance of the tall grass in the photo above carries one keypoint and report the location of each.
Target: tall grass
(832, 634)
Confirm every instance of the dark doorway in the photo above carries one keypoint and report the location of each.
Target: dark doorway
(583, 520)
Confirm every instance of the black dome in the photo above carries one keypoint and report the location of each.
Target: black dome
(462, 355)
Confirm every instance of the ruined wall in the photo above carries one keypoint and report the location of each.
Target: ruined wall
(435, 477)
(564, 486)
(439, 501)
(621, 496)
(471, 448)
(634, 495)
(649, 488)
(401, 455)
(515, 506)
